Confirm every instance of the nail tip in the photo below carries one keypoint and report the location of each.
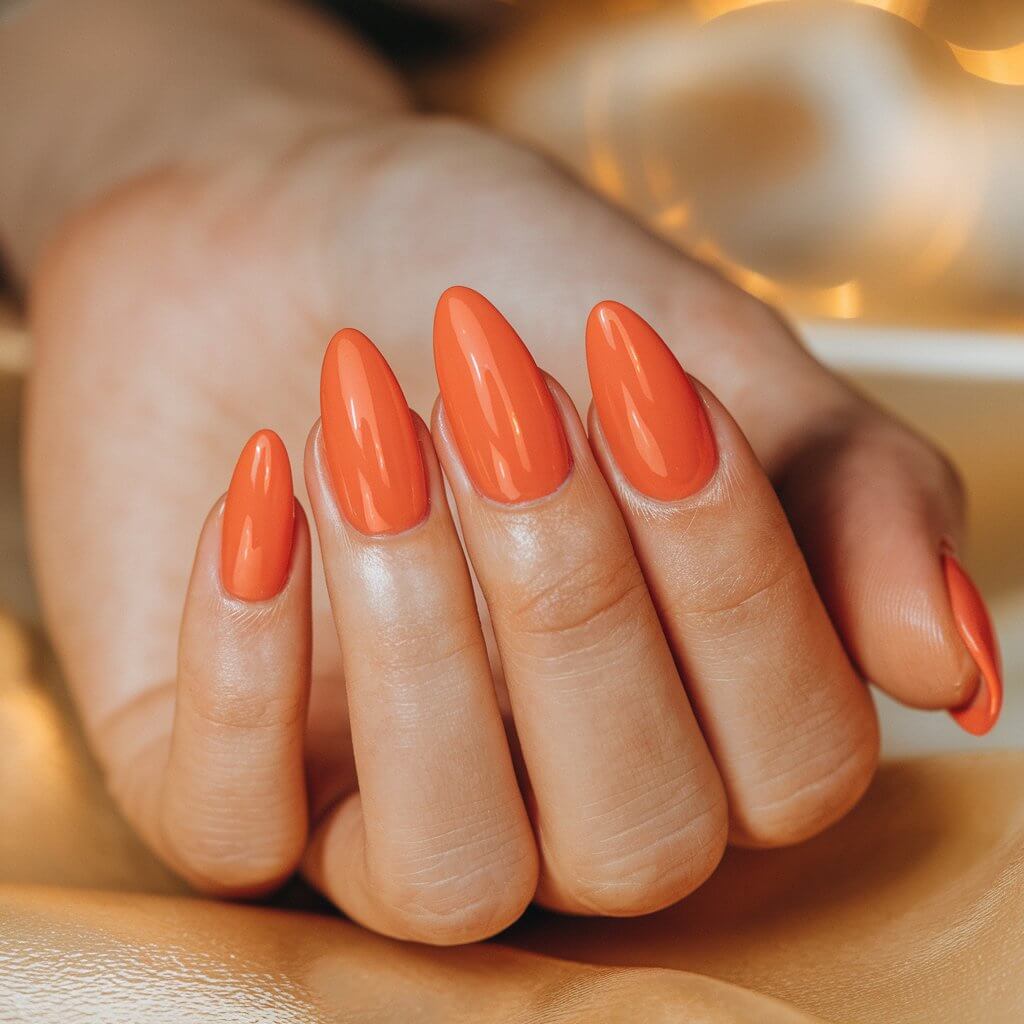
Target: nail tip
(975, 724)
(497, 402)
(347, 337)
(263, 438)
(974, 626)
(370, 440)
(455, 294)
(257, 531)
(651, 415)
(606, 308)
(981, 714)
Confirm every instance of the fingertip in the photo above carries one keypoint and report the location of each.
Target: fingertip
(871, 506)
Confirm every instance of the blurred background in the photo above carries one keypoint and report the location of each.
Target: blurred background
(858, 164)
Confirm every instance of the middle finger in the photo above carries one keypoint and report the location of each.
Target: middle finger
(629, 811)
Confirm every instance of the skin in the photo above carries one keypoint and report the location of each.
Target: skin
(182, 287)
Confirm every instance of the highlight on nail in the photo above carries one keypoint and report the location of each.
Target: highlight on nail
(974, 625)
(499, 408)
(259, 520)
(650, 413)
(370, 440)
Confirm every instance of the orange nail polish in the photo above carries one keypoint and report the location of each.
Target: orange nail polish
(650, 413)
(373, 453)
(259, 520)
(979, 714)
(501, 412)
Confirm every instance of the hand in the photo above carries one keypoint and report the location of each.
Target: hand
(603, 570)
(189, 309)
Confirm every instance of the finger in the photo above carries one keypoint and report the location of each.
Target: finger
(232, 806)
(436, 846)
(791, 726)
(877, 511)
(629, 810)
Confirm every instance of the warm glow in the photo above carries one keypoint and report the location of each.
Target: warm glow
(910, 10)
(13, 343)
(15, 655)
(706, 10)
(845, 301)
(749, 280)
(930, 205)
(603, 165)
(841, 302)
(673, 217)
(1003, 66)
(659, 177)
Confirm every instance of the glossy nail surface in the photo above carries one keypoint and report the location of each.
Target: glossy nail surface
(975, 627)
(501, 413)
(259, 520)
(650, 412)
(373, 453)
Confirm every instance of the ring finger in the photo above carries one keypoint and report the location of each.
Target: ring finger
(790, 724)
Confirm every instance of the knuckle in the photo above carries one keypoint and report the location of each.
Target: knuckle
(581, 597)
(438, 146)
(459, 888)
(746, 592)
(416, 647)
(808, 786)
(452, 915)
(243, 709)
(950, 482)
(467, 907)
(658, 858)
(230, 866)
(243, 704)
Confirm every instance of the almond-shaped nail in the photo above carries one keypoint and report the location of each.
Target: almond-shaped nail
(373, 453)
(498, 405)
(259, 520)
(650, 412)
(973, 623)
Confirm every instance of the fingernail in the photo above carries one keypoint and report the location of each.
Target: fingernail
(259, 520)
(973, 623)
(497, 403)
(650, 412)
(373, 453)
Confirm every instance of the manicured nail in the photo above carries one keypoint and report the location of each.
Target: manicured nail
(497, 403)
(979, 714)
(373, 453)
(649, 410)
(259, 520)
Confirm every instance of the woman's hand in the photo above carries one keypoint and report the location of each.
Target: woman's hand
(185, 305)
(608, 565)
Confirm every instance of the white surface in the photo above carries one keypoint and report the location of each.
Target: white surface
(912, 352)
